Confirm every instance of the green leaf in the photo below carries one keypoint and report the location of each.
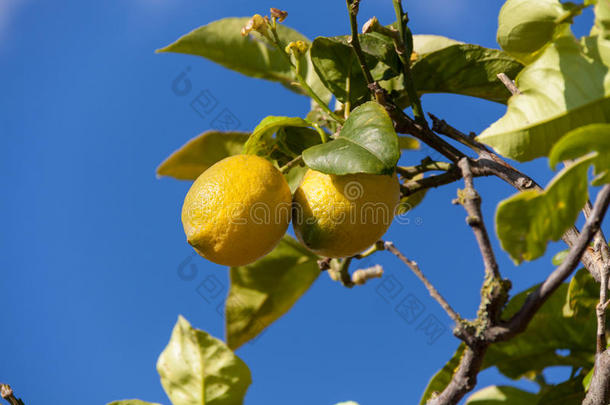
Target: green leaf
(261, 142)
(507, 395)
(550, 330)
(560, 257)
(221, 42)
(198, 369)
(570, 392)
(526, 26)
(201, 152)
(406, 142)
(602, 19)
(265, 290)
(295, 176)
(568, 86)
(409, 202)
(441, 65)
(582, 295)
(581, 141)
(131, 402)
(335, 63)
(586, 381)
(528, 220)
(441, 379)
(466, 69)
(367, 143)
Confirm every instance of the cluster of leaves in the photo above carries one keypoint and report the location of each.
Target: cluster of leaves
(562, 112)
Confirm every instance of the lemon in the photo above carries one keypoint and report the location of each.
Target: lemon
(237, 210)
(340, 216)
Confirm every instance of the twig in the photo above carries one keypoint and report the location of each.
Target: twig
(465, 377)
(510, 85)
(294, 162)
(471, 201)
(361, 276)
(490, 164)
(425, 166)
(7, 393)
(352, 8)
(518, 323)
(389, 246)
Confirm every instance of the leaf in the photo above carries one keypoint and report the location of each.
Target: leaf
(466, 69)
(265, 290)
(335, 62)
(568, 86)
(260, 142)
(560, 257)
(201, 152)
(411, 201)
(602, 19)
(526, 26)
(221, 42)
(506, 395)
(441, 379)
(406, 142)
(441, 65)
(582, 295)
(367, 143)
(581, 141)
(347, 403)
(528, 220)
(550, 330)
(567, 393)
(131, 402)
(295, 176)
(198, 369)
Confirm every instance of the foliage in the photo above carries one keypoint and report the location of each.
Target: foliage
(560, 110)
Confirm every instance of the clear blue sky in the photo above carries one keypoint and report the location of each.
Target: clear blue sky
(91, 241)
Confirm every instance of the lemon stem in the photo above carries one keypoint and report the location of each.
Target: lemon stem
(294, 162)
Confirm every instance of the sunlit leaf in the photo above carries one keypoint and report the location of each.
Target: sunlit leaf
(201, 152)
(501, 395)
(198, 369)
(568, 86)
(581, 141)
(131, 402)
(221, 42)
(367, 143)
(265, 290)
(526, 26)
(527, 221)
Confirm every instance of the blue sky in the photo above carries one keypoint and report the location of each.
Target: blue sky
(92, 243)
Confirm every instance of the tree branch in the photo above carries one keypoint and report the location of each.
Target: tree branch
(389, 246)
(518, 323)
(471, 201)
(510, 85)
(7, 393)
(599, 389)
(490, 164)
(465, 377)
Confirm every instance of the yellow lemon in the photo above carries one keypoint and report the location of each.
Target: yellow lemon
(237, 210)
(340, 216)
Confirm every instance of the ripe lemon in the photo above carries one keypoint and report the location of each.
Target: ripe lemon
(340, 216)
(237, 210)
